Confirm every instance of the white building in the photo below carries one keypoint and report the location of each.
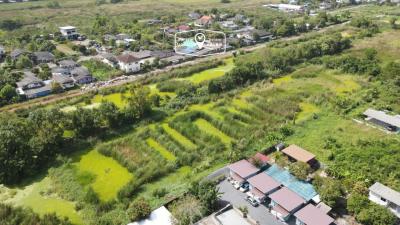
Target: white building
(69, 32)
(160, 216)
(286, 7)
(385, 196)
(128, 63)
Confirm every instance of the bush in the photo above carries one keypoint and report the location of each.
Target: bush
(139, 209)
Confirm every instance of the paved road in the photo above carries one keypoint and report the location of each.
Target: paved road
(237, 199)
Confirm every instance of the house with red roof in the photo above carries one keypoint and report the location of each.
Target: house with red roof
(242, 170)
(261, 185)
(284, 203)
(204, 21)
(183, 28)
(311, 215)
(259, 159)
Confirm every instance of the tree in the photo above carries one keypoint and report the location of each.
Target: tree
(300, 170)
(139, 209)
(110, 114)
(187, 210)
(84, 122)
(392, 22)
(356, 203)
(208, 193)
(376, 215)
(329, 189)
(23, 62)
(56, 87)
(7, 93)
(138, 103)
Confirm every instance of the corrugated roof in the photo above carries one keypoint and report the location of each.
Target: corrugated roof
(311, 215)
(264, 183)
(243, 168)
(298, 153)
(302, 188)
(287, 199)
(386, 192)
(382, 116)
(127, 58)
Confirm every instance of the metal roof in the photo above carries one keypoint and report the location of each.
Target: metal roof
(287, 199)
(382, 116)
(264, 183)
(386, 192)
(243, 168)
(311, 215)
(298, 153)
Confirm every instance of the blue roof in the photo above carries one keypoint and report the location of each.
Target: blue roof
(304, 189)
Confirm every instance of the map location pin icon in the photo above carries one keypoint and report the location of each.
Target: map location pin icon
(200, 38)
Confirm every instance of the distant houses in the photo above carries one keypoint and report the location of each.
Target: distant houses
(32, 87)
(385, 196)
(204, 21)
(382, 119)
(287, 7)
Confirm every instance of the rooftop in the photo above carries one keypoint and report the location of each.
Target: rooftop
(67, 28)
(302, 188)
(382, 116)
(142, 54)
(127, 58)
(311, 215)
(298, 153)
(287, 199)
(386, 192)
(243, 168)
(264, 183)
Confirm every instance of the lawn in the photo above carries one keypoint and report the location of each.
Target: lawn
(307, 111)
(39, 197)
(116, 98)
(207, 127)
(66, 49)
(110, 176)
(159, 148)
(178, 137)
(100, 70)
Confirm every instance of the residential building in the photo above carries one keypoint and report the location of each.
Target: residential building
(311, 215)
(67, 64)
(204, 21)
(43, 57)
(284, 203)
(16, 53)
(32, 87)
(162, 54)
(109, 59)
(69, 32)
(287, 7)
(242, 170)
(143, 56)
(261, 185)
(128, 63)
(2, 51)
(382, 119)
(60, 71)
(81, 75)
(194, 16)
(123, 40)
(154, 21)
(183, 28)
(385, 196)
(229, 24)
(296, 153)
(66, 82)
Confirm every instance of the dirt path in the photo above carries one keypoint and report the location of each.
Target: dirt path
(75, 93)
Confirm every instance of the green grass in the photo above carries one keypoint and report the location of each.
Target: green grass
(39, 198)
(211, 73)
(307, 111)
(207, 127)
(282, 80)
(110, 176)
(115, 98)
(66, 49)
(100, 70)
(159, 148)
(178, 137)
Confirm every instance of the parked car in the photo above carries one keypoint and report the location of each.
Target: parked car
(252, 201)
(244, 187)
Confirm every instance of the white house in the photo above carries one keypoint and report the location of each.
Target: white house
(385, 196)
(286, 7)
(69, 32)
(128, 63)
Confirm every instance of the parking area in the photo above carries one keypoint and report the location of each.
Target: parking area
(237, 199)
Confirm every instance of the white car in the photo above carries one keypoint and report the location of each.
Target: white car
(236, 185)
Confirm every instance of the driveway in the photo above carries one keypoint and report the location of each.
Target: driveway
(237, 199)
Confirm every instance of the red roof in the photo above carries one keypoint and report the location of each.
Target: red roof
(264, 183)
(263, 158)
(311, 215)
(183, 27)
(287, 199)
(127, 58)
(243, 168)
